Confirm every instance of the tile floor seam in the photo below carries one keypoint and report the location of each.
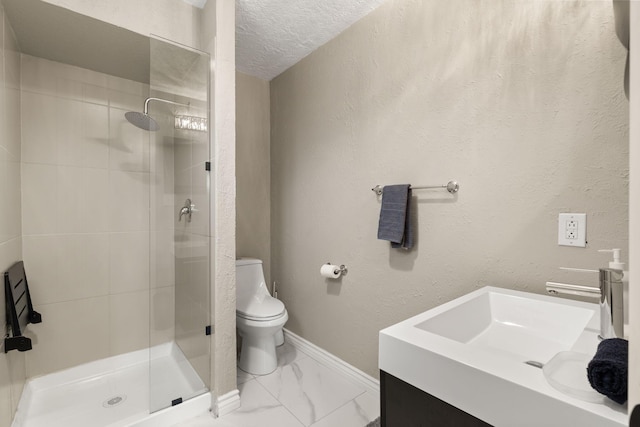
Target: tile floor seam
(337, 409)
(277, 399)
(289, 411)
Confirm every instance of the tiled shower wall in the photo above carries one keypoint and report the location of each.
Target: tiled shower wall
(12, 365)
(86, 196)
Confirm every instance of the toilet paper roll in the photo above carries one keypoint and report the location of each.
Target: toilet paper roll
(330, 271)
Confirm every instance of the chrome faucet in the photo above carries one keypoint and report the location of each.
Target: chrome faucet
(187, 209)
(611, 302)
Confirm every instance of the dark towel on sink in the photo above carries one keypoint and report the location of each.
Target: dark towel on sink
(608, 370)
(395, 216)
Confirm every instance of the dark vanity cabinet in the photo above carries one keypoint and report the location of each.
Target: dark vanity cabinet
(403, 405)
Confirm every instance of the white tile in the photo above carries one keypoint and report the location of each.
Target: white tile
(162, 185)
(68, 81)
(309, 390)
(68, 127)
(128, 101)
(68, 212)
(13, 198)
(94, 210)
(66, 267)
(258, 408)
(70, 334)
(4, 144)
(128, 262)
(4, 191)
(95, 136)
(127, 86)
(6, 410)
(10, 216)
(75, 201)
(357, 413)
(162, 259)
(11, 57)
(128, 201)
(128, 322)
(200, 198)
(85, 130)
(95, 93)
(18, 374)
(39, 198)
(200, 150)
(128, 144)
(37, 74)
(39, 128)
(162, 315)
(183, 154)
(11, 127)
(10, 253)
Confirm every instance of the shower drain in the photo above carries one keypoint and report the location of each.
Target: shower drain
(114, 401)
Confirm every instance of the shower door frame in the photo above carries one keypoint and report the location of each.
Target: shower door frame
(189, 153)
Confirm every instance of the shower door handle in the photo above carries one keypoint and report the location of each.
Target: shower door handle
(187, 209)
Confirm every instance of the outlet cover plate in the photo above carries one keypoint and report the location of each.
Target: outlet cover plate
(572, 229)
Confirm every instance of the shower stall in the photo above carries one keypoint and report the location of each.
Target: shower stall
(115, 222)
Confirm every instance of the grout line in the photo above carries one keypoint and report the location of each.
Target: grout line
(337, 409)
(282, 404)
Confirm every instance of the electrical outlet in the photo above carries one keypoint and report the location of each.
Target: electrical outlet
(572, 229)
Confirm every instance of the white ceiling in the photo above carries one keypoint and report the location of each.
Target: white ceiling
(273, 35)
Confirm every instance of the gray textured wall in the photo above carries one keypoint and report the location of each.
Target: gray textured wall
(253, 182)
(520, 101)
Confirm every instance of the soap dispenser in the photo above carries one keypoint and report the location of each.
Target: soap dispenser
(616, 264)
(616, 259)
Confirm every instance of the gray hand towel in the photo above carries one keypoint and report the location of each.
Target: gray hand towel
(395, 216)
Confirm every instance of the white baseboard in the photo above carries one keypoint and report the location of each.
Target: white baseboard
(367, 381)
(227, 403)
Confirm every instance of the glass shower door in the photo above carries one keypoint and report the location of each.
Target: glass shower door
(180, 359)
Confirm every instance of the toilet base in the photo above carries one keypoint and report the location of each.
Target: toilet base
(279, 338)
(258, 350)
(258, 356)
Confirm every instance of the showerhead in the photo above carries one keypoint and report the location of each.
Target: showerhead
(142, 121)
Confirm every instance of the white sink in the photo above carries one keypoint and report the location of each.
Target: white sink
(472, 353)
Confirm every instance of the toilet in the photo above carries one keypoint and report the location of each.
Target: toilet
(259, 318)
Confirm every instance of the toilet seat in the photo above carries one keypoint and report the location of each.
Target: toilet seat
(260, 319)
(264, 309)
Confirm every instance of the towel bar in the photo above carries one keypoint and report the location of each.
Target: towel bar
(451, 186)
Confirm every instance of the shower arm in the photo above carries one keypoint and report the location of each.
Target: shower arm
(146, 104)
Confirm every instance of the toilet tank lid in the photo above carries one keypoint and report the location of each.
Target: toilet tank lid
(247, 261)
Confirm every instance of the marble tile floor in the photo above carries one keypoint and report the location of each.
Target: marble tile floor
(300, 393)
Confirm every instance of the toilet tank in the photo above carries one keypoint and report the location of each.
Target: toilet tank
(250, 279)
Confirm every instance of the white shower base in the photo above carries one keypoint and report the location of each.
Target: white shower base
(81, 396)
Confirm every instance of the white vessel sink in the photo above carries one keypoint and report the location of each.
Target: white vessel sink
(472, 353)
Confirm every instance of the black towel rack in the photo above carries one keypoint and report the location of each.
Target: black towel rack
(19, 308)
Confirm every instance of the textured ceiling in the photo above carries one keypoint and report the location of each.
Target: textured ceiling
(272, 35)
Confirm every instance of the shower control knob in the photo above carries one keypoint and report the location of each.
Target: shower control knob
(187, 209)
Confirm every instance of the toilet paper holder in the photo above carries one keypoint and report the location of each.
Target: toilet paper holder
(342, 269)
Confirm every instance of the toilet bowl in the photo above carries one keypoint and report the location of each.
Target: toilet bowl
(259, 318)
